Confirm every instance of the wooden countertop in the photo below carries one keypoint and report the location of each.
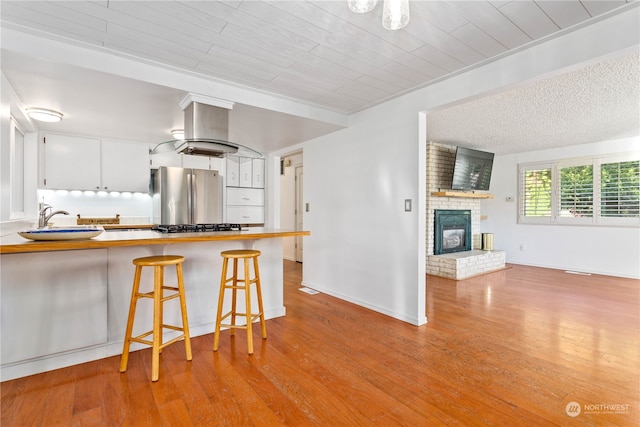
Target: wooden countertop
(13, 243)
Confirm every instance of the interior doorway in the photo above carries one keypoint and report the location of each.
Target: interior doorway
(292, 203)
(299, 213)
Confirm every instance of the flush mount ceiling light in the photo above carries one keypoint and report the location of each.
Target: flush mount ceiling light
(361, 6)
(395, 13)
(44, 115)
(178, 133)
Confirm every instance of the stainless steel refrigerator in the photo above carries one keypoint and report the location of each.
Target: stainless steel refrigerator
(186, 196)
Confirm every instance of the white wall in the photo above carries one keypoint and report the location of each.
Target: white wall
(363, 246)
(613, 251)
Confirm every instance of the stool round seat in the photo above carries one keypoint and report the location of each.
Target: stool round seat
(150, 261)
(158, 262)
(235, 283)
(240, 253)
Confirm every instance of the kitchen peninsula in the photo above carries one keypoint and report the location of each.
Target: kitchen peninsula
(66, 302)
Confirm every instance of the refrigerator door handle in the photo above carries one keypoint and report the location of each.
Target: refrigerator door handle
(190, 196)
(194, 199)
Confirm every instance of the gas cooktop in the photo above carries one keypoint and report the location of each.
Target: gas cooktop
(194, 228)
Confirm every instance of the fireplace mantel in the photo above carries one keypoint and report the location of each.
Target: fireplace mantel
(462, 194)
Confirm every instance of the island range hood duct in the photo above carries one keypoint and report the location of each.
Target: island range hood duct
(206, 131)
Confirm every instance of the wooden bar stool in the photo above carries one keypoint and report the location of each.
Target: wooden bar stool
(244, 283)
(158, 263)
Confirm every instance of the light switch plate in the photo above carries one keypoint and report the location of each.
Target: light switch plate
(407, 205)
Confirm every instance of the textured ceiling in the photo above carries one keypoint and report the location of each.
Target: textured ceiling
(598, 103)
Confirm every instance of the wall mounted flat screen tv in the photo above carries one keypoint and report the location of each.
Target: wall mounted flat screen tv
(472, 170)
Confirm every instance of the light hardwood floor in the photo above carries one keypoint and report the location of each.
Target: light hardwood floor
(511, 348)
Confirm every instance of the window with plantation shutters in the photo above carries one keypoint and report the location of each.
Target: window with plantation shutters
(596, 191)
(620, 189)
(535, 193)
(576, 191)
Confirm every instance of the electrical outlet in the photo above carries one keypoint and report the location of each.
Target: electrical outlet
(522, 248)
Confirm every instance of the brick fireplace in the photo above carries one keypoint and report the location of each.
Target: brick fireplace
(458, 264)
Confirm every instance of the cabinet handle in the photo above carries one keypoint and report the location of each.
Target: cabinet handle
(246, 198)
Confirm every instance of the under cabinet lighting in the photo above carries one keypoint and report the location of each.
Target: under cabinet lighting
(44, 115)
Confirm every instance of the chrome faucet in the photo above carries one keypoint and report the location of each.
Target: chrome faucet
(43, 218)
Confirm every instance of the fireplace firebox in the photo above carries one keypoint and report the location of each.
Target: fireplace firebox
(452, 230)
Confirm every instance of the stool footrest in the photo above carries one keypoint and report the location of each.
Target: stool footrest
(254, 317)
(140, 338)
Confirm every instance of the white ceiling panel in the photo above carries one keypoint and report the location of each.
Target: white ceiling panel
(530, 18)
(565, 13)
(479, 41)
(598, 7)
(315, 52)
(489, 19)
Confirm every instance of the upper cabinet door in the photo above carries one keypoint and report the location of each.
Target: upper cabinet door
(257, 180)
(196, 162)
(125, 166)
(167, 158)
(246, 174)
(75, 163)
(233, 171)
(70, 163)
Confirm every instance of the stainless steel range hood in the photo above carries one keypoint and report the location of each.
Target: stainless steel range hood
(206, 129)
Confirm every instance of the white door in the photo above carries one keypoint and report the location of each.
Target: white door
(299, 212)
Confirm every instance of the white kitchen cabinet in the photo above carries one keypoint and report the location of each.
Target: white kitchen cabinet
(202, 162)
(52, 302)
(70, 163)
(233, 171)
(246, 172)
(125, 166)
(77, 163)
(245, 205)
(167, 158)
(245, 214)
(196, 162)
(245, 190)
(257, 173)
(245, 196)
